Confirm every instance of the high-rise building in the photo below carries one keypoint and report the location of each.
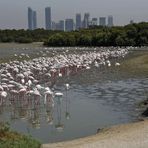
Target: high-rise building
(94, 22)
(61, 25)
(110, 21)
(86, 20)
(30, 22)
(32, 19)
(34, 22)
(78, 21)
(69, 25)
(58, 26)
(53, 25)
(102, 21)
(48, 18)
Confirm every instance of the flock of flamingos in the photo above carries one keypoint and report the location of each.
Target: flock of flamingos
(31, 81)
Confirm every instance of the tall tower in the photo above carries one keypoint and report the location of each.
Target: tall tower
(30, 16)
(78, 21)
(34, 20)
(110, 21)
(86, 20)
(102, 21)
(48, 18)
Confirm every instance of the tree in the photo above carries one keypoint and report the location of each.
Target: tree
(56, 40)
(85, 40)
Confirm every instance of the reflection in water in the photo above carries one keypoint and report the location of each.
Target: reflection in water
(67, 112)
(59, 125)
(49, 109)
(31, 106)
(49, 115)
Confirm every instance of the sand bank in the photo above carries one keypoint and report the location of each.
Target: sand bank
(131, 135)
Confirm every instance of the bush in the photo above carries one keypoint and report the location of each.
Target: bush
(11, 139)
(23, 40)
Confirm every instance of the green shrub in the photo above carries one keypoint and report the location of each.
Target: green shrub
(11, 139)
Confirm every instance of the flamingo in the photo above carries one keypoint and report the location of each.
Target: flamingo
(67, 86)
(3, 95)
(1, 88)
(117, 64)
(27, 76)
(48, 97)
(58, 94)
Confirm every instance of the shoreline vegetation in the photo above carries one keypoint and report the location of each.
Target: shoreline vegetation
(130, 35)
(12, 139)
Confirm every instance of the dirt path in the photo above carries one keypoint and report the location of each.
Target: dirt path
(132, 135)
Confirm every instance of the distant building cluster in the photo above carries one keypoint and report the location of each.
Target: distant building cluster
(68, 24)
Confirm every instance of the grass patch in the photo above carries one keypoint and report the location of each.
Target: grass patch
(11, 139)
(143, 103)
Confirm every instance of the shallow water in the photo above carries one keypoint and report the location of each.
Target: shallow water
(97, 98)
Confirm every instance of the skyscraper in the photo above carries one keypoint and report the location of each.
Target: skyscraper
(48, 18)
(58, 26)
(78, 21)
(94, 22)
(110, 21)
(69, 25)
(53, 25)
(86, 20)
(61, 25)
(32, 19)
(34, 24)
(102, 21)
(30, 22)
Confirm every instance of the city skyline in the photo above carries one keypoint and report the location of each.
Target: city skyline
(122, 10)
(69, 24)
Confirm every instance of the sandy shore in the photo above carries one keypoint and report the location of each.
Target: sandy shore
(132, 135)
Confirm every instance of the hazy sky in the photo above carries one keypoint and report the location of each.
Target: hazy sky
(13, 13)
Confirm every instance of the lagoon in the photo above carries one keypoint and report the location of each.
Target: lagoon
(97, 98)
